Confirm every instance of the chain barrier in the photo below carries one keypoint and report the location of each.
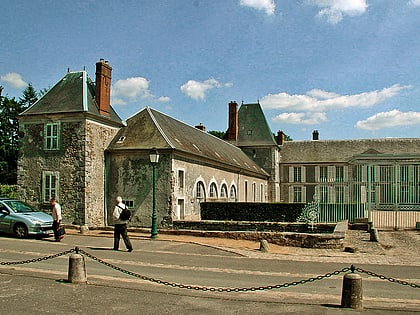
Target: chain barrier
(390, 279)
(8, 263)
(213, 289)
(77, 250)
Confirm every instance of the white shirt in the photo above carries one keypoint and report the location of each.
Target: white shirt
(117, 212)
(56, 212)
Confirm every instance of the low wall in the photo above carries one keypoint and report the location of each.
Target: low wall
(334, 239)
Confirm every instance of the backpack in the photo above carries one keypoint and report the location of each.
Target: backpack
(125, 214)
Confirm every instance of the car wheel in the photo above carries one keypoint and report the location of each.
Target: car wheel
(20, 230)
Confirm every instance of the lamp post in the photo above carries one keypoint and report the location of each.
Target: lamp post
(154, 159)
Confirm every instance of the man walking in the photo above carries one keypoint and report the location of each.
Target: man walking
(120, 229)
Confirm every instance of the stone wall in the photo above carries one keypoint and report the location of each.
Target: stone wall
(67, 162)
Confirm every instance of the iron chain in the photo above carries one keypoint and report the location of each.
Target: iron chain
(8, 263)
(390, 279)
(211, 289)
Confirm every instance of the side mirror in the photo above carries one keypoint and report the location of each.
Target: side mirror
(4, 210)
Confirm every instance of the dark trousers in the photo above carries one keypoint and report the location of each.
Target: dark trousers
(56, 225)
(120, 230)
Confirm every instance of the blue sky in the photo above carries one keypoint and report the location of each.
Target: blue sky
(348, 68)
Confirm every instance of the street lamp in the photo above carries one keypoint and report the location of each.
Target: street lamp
(154, 160)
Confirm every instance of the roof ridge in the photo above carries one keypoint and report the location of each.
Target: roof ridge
(149, 110)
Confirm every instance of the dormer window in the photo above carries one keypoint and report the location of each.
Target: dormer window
(121, 139)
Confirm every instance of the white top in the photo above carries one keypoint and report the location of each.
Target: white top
(117, 212)
(56, 212)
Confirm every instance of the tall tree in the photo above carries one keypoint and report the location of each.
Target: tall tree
(10, 108)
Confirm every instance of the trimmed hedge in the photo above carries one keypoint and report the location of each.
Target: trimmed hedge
(247, 211)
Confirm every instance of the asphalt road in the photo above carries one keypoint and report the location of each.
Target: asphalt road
(164, 276)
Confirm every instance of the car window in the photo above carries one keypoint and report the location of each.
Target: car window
(19, 206)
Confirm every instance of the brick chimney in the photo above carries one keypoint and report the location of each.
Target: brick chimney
(201, 127)
(232, 132)
(315, 135)
(280, 137)
(103, 87)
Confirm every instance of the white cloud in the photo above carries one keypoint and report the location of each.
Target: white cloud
(198, 90)
(129, 90)
(335, 10)
(14, 79)
(164, 99)
(318, 100)
(393, 118)
(267, 5)
(301, 118)
(415, 3)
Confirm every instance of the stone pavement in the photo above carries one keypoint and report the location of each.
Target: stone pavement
(393, 248)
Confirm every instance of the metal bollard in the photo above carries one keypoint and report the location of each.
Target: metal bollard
(352, 294)
(77, 269)
(264, 247)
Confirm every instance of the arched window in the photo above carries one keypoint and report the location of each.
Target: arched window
(200, 191)
(223, 191)
(232, 193)
(213, 190)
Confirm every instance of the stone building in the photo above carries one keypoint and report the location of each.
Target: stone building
(76, 148)
(377, 179)
(65, 134)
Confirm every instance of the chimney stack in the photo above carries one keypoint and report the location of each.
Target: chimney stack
(201, 127)
(103, 87)
(232, 132)
(315, 135)
(280, 137)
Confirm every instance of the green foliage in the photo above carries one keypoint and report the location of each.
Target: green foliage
(10, 108)
(218, 134)
(9, 191)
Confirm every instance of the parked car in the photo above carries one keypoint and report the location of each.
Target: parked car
(20, 219)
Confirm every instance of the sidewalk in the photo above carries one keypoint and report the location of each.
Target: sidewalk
(393, 248)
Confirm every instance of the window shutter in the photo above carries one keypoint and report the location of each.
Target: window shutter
(291, 194)
(303, 169)
(317, 174)
(291, 174)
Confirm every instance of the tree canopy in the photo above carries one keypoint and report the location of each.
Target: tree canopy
(10, 108)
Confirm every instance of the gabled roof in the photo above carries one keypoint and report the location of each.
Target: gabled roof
(150, 128)
(253, 129)
(74, 93)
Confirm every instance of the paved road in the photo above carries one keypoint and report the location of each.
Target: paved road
(41, 287)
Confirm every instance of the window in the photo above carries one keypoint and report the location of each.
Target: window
(324, 194)
(254, 192)
(129, 203)
(223, 191)
(181, 179)
(246, 191)
(339, 194)
(213, 190)
(232, 193)
(297, 174)
(200, 191)
(323, 174)
(297, 194)
(339, 174)
(49, 186)
(52, 136)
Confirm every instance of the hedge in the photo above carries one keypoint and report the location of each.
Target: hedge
(8, 191)
(247, 211)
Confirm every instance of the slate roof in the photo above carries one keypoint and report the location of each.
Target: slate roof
(253, 129)
(335, 151)
(150, 128)
(74, 93)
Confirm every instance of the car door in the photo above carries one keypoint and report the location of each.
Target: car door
(5, 219)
